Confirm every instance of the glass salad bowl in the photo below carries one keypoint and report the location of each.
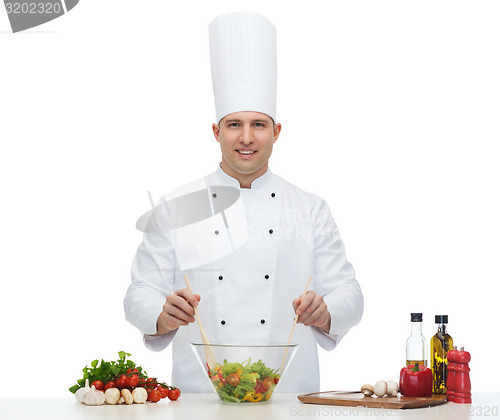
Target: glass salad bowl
(244, 374)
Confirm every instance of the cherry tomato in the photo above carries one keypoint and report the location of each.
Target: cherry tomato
(163, 391)
(233, 379)
(173, 394)
(154, 396)
(110, 384)
(276, 380)
(267, 382)
(98, 385)
(132, 370)
(151, 383)
(122, 381)
(133, 381)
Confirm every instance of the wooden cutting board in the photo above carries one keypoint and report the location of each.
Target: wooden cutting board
(357, 399)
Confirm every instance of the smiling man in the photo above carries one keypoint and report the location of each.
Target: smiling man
(251, 295)
(246, 141)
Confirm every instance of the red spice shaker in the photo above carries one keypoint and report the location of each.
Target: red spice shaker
(450, 379)
(462, 386)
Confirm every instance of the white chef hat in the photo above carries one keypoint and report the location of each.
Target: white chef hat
(243, 61)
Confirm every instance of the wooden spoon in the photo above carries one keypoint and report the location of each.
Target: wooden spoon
(209, 354)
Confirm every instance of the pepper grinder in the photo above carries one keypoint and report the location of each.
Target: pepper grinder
(450, 379)
(461, 381)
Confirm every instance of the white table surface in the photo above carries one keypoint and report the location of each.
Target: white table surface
(207, 406)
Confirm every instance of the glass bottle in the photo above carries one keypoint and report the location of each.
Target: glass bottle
(415, 345)
(441, 343)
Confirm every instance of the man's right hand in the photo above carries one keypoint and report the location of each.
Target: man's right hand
(178, 310)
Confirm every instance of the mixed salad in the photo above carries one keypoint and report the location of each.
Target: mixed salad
(243, 382)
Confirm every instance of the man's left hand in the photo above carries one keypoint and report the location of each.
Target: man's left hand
(312, 311)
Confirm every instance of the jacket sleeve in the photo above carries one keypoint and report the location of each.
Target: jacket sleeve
(153, 273)
(334, 279)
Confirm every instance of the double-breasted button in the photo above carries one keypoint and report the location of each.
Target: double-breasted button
(216, 232)
(262, 321)
(214, 195)
(271, 231)
(266, 276)
(223, 322)
(220, 277)
(273, 195)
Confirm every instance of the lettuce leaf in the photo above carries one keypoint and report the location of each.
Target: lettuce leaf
(228, 368)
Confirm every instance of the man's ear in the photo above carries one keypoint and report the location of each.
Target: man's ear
(276, 131)
(216, 130)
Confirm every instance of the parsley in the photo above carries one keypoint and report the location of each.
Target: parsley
(108, 371)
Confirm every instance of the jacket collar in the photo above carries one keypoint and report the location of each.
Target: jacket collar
(225, 179)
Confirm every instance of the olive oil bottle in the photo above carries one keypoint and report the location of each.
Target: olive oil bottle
(440, 344)
(415, 345)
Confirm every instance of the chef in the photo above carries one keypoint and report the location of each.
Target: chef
(249, 259)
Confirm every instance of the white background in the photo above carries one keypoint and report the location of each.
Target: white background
(390, 111)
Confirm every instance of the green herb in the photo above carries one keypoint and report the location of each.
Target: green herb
(108, 371)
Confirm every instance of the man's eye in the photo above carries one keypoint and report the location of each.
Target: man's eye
(259, 124)
(233, 124)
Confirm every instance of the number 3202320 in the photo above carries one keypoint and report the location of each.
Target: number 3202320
(33, 8)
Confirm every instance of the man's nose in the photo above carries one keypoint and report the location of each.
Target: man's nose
(247, 135)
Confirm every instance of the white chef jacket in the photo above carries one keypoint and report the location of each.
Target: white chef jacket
(246, 296)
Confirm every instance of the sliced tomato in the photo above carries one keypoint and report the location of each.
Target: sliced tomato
(233, 379)
(259, 387)
(221, 376)
(267, 383)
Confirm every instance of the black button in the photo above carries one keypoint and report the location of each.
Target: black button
(266, 276)
(262, 321)
(271, 231)
(273, 195)
(220, 277)
(223, 322)
(216, 232)
(214, 195)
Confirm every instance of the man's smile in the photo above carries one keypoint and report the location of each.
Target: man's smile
(246, 152)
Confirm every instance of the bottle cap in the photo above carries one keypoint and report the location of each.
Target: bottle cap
(441, 319)
(416, 317)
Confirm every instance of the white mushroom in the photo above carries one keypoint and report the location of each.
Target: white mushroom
(140, 395)
(380, 388)
(112, 395)
(367, 390)
(121, 401)
(127, 396)
(392, 388)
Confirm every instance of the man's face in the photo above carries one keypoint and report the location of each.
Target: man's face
(246, 140)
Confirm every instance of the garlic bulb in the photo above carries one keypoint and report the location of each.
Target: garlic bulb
(82, 391)
(93, 397)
